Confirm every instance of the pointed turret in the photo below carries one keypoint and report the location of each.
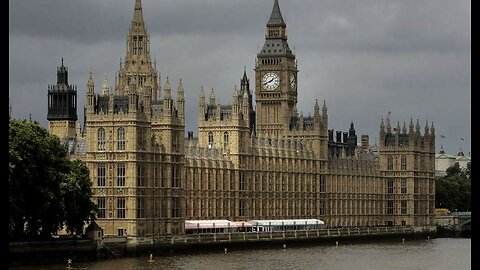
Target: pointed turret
(202, 96)
(432, 130)
(397, 129)
(201, 105)
(180, 91)
(427, 129)
(382, 133)
(62, 98)
(404, 129)
(90, 84)
(62, 74)
(325, 116)
(235, 95)
(276, 18)
(212, 98)
(235, 105)
(138, 15)
(168, 90)
(301, 125)
(181, 100)
(389, 127)
(417, 127)
(245, 83)
(410, 127)
(351, 131)
(316, 109)
(105, 91)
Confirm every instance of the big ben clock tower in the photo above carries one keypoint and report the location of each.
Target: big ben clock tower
(275, 79)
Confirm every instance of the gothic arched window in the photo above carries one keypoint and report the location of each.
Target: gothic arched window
(390, 163)
(225, 140)
(101, 139)
(210, 140)
(403, 163)
(121, 139)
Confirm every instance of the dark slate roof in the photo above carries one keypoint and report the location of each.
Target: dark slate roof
(225, 109)
(120, 103)
(76, 146)
(102, 103)
(157, 108)
(276, 18)
(276, 47)
(308, 123)
(402, 139)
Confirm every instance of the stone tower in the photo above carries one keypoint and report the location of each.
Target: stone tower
(62, 106)
(275, 79)
(407, 162)
(135, 146)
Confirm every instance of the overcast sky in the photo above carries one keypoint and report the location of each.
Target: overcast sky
(365, 58)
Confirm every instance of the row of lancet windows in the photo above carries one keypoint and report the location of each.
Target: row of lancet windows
(273, 61)
(120, 139)
(403, 163)
(137, 47)
(225, 140)
(121, 207)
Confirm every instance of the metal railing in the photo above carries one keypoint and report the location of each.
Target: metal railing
(291, 234)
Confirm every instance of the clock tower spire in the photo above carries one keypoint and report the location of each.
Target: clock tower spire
(275, 79)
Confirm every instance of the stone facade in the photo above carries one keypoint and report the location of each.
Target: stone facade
(272, 163)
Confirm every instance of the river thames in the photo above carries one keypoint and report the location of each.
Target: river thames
(434, 254)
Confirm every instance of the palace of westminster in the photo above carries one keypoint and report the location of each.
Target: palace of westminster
(249, 161)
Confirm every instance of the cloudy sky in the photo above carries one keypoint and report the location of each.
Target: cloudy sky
(365, 58)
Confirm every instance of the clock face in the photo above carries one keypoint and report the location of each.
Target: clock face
(293, 81)
(270, 81)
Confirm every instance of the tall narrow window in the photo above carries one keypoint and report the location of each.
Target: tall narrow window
(403, 163)
(404, 186)
(210, 140)
(389, 207)
(390, 163)
(241, 183)
(121, 175)
(225, 140)
(121, 139)
(175, 176)
(101, 175)
(140, 207)
(403, 207)
(141, 139)
(121, 207)
(175, 207)
(140, 46)
(174, 142)
(390, 186)
(322, 183)
(101, 139)
(134, 45)
(241, 207)
(101, 207)
(140, 175)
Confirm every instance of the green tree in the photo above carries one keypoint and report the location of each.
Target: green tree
(43, 184)
(76, 193)
(453, 191)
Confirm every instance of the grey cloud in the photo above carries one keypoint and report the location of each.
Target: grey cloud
(364, 57)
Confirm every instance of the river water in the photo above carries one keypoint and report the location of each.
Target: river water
(434, 254)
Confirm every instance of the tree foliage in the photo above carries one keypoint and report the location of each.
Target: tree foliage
(453, 191)
(46, 189)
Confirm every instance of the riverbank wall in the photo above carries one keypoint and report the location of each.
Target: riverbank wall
(120, 247)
